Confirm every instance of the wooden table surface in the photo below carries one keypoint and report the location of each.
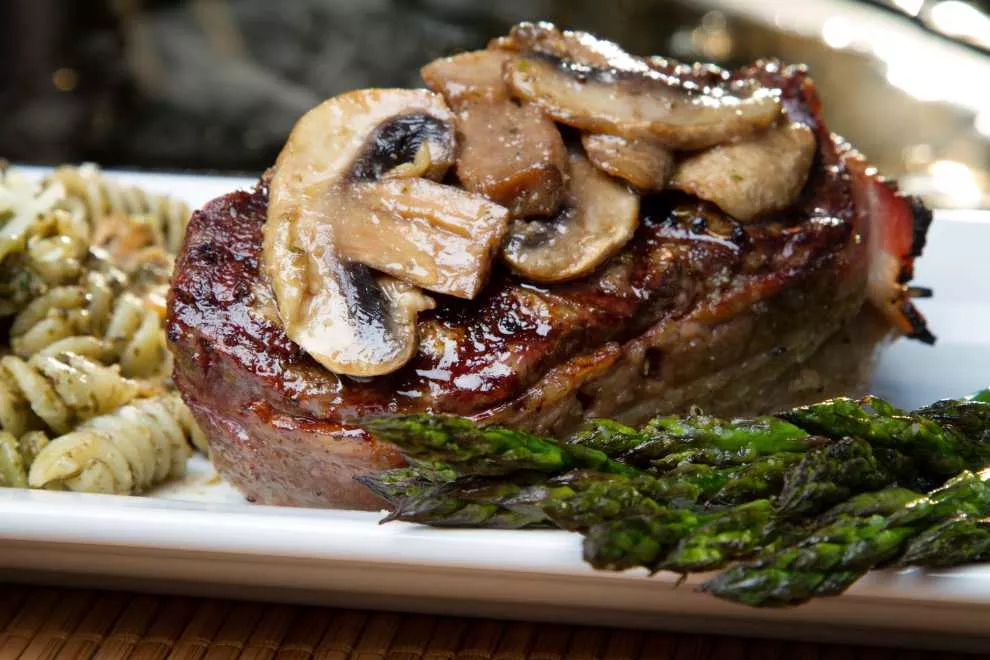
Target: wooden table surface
(53, 623)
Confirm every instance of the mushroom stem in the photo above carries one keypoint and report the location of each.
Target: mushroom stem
(435, 236)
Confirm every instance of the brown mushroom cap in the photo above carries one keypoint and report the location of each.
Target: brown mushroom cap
(747, 178)
(599, 216)
(352, 191)
(595, 86)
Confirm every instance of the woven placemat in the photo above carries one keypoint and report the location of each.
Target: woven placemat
(76, 624)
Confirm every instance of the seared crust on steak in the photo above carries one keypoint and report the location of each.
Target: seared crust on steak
(697, 309)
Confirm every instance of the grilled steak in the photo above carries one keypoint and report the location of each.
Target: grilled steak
(698, 308)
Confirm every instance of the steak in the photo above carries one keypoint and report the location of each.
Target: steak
(697, 308)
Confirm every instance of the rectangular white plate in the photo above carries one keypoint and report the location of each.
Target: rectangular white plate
(198, 536)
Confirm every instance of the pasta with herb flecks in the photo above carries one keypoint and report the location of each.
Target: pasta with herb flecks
(98, 319)
(92, 195)
(124, 452)
(84, 381)
(59, 391)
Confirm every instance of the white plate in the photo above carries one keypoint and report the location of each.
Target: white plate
(198, 536)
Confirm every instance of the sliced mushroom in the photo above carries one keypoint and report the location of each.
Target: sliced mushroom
(352, 192)
(748, 178)
(356, 323)
(599, 216)
(572, 45)
(468, 76)
(594, 85)
(643, 162)
(511, 154)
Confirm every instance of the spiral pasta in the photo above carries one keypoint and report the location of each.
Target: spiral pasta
(84, 268)
(58, 391)
(16, 456)
(127, 451)
(90, 194)
(98, 319)
(22, 202)
(40, 246)
(31, 444)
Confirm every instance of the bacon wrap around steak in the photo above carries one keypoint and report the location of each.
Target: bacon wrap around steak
(697, 309)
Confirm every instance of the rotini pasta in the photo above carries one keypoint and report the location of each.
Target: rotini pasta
(59, 391)
(84, 267)
(16, 456)
(92, 195)
(31, 444)
(58, 247)
(39, 246)
(22, 203)
(127, 451)
(127, 329)
(135, 338)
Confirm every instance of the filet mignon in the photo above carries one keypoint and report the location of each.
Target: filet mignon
(698, 308)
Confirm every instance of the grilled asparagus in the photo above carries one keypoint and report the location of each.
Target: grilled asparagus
(832, 557)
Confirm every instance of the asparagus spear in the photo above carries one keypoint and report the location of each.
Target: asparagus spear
(831, 474)
(591, 498)
(969, 417)
(491, 450)
(938, 448)
(411, 482)
(762, 478)
(726, 536)
(417, 494)
(599, 498)
(959, 540)
(831, 558)
(574, 500)
(612, 438)
(678, 539)
(485, 503)
(676, 440)
(636, 541)
(880, 503)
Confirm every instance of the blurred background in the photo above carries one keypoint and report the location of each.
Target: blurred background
(215, 85)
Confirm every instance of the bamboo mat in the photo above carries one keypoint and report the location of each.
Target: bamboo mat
(74, 624)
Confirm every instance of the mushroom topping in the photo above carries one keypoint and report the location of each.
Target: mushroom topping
(510, 153)
(476, 75)
(594, 85)
(352, 191)
(573, 45)
(599, 216)
(642, 162)
(746, 179)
